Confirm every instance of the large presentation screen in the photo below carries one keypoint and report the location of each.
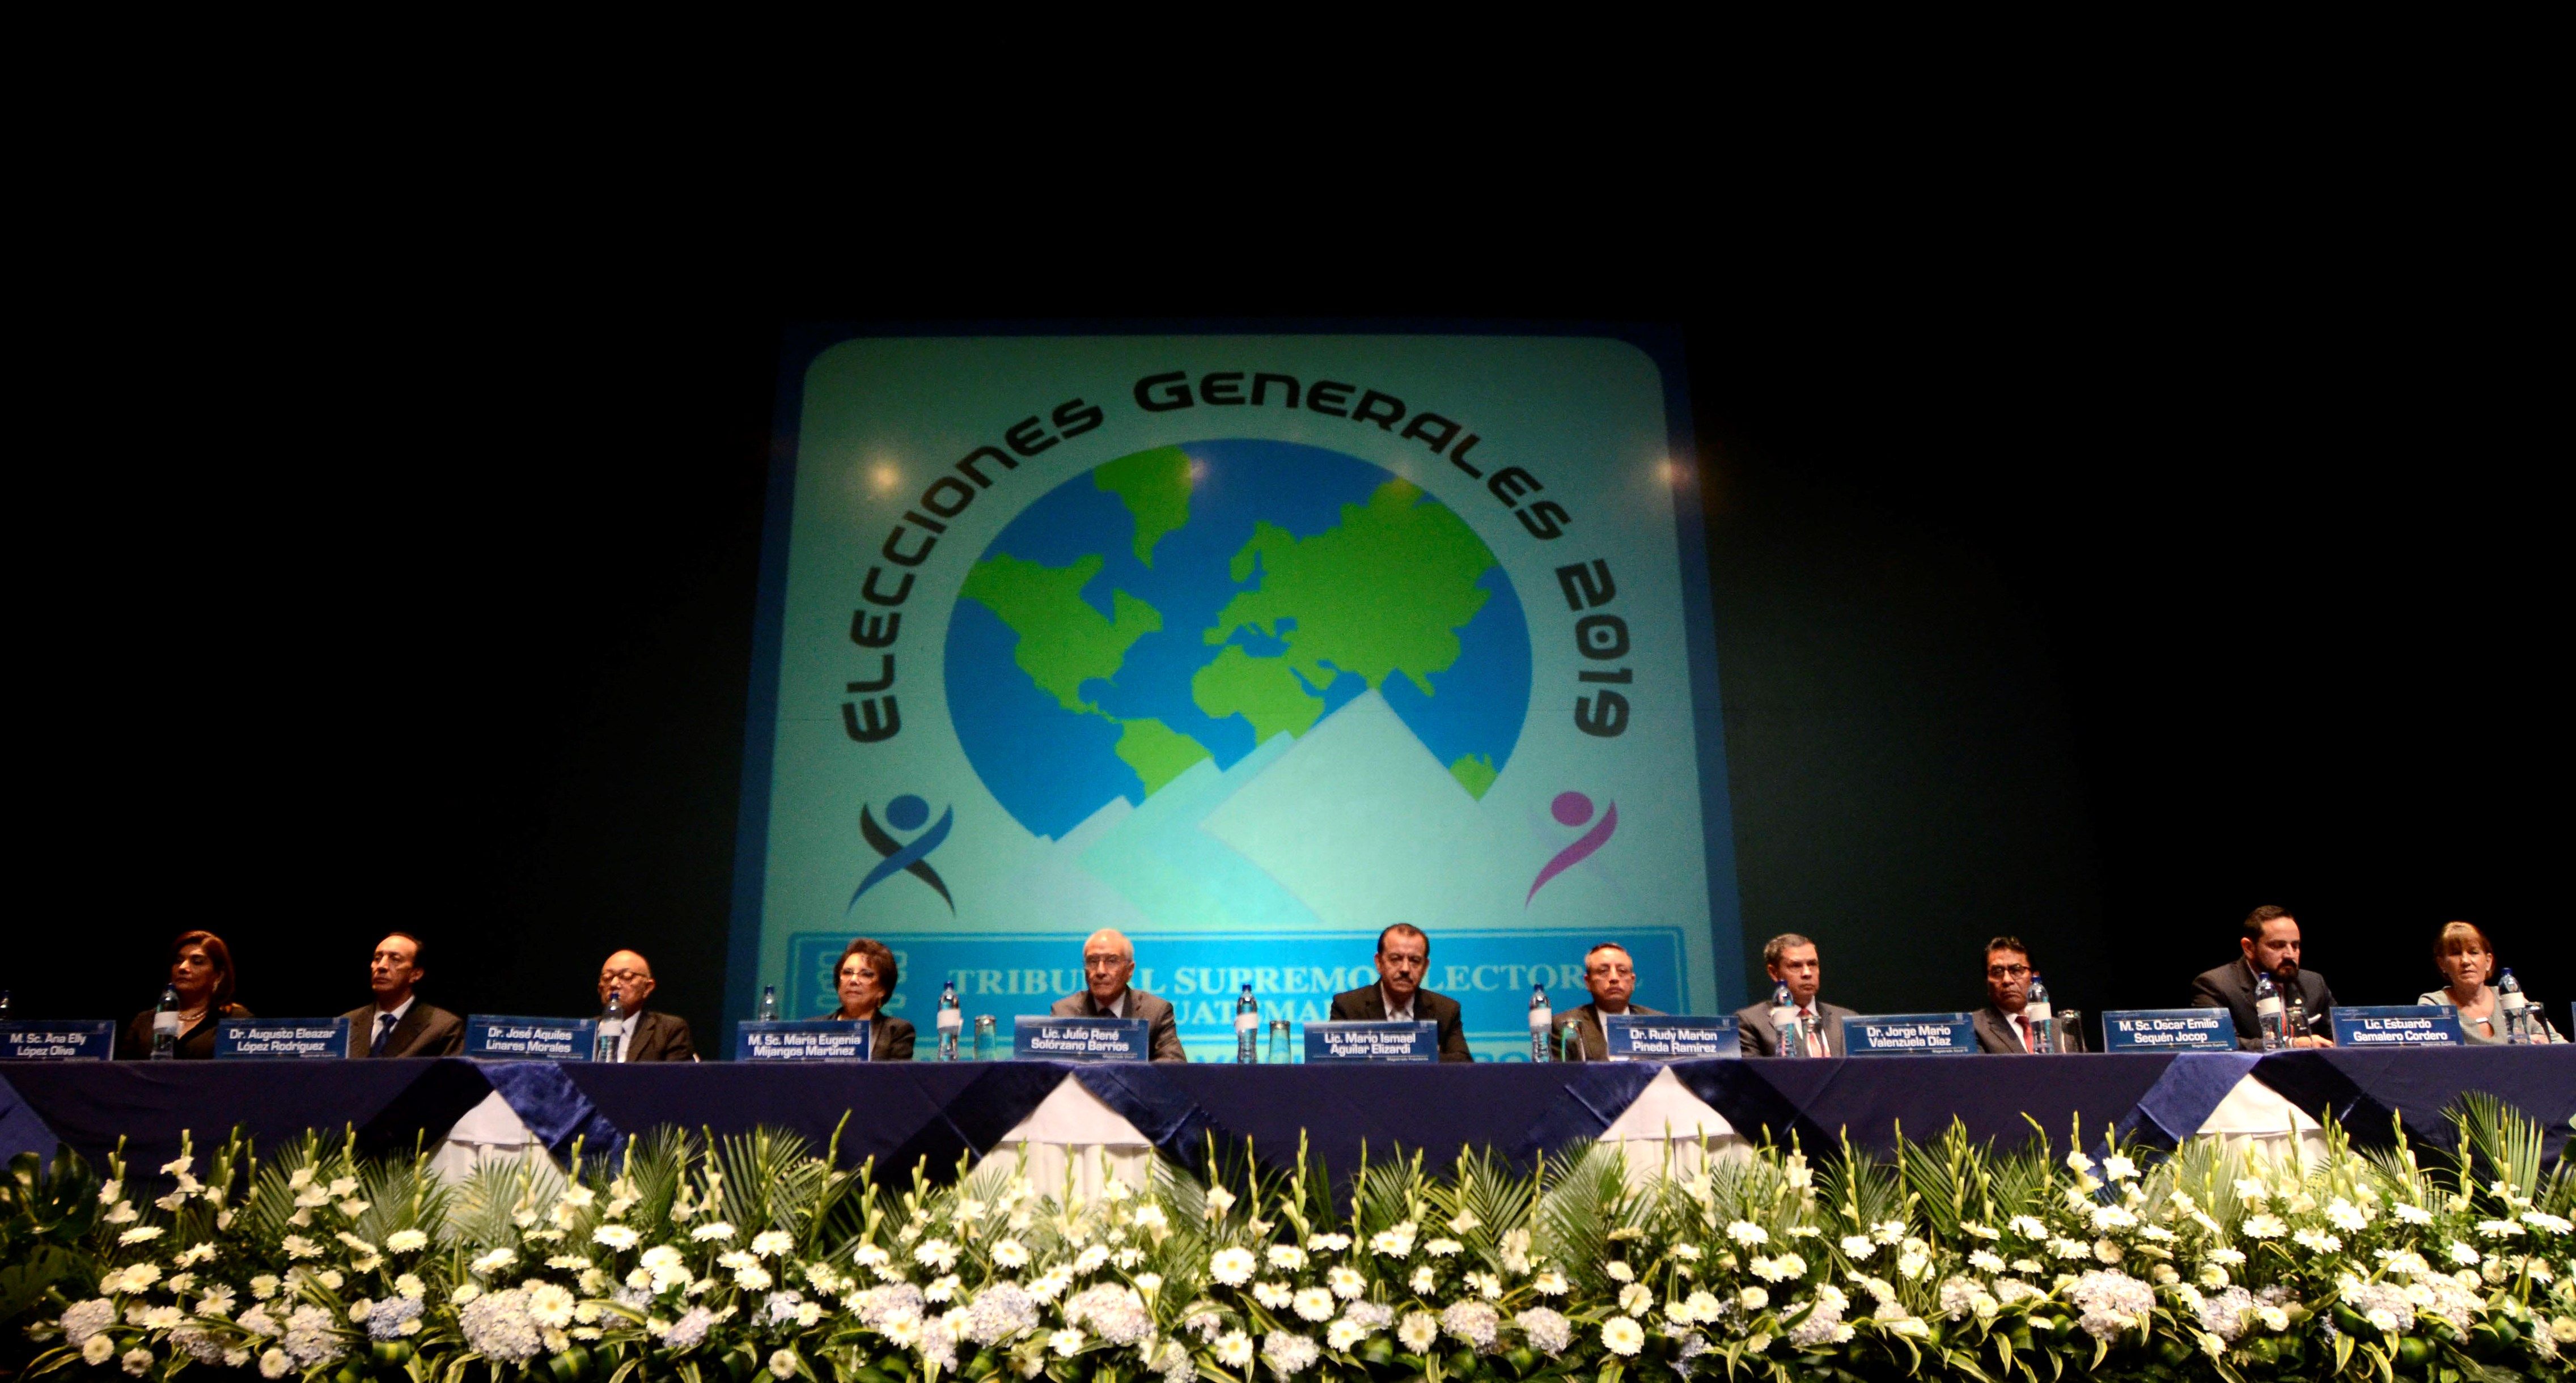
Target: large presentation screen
(1247, 646)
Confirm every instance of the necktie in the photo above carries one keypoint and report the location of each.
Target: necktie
(2021, 1025)
(384, 1034)
(1815, 1036)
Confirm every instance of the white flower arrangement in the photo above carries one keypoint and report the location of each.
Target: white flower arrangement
(2120, 1254)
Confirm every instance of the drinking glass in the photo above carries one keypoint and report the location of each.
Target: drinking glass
(983, 1037)
(2070, 1030)
(1278, 1042)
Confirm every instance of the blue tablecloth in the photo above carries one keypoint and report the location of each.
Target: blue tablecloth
(898, 1112)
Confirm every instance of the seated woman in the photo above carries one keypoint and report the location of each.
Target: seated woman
(2467, 959)
(201, 970)
(864, 979)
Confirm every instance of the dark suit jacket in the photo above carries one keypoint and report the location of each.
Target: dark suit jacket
(659, 1036)
(1596, 1043)
(1162, 1030)
(425, 1031)
(195, 1044)
(1756, 1037)
(2231, 987)
(1369, 1006)
(891, 1040)
(1996, 1035)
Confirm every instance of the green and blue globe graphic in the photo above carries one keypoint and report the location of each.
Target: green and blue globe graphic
(1191, 603)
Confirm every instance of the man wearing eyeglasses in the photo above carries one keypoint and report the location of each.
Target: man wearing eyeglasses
(2003, 1025)
(1612, 977)
(650, 1035)
(1108, 959)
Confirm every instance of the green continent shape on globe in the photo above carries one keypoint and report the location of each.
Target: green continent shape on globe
(1475, 773)
(1384, 592)
(1061, 643)
(1261, 690)
(1155, 487)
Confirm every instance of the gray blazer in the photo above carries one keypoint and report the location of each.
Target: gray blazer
(1163, 1033)
(660, 1036)
(1595, 1043)
(1996, 1035)
(2471, 1031)
(424, 1031)
(1756, 1036)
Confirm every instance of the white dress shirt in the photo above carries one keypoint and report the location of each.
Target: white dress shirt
(1394, 1014)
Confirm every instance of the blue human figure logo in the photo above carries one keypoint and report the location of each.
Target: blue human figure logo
(906, 814)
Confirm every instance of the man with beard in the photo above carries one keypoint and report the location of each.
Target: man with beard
(2271, 946)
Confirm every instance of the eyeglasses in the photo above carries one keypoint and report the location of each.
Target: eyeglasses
(1612, 971)
(1103, 962)
(622, 976)
(2006, 972)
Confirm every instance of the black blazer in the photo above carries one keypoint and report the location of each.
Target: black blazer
(1162, 1032)
(659, 1036)
(1756, 1037)
(2231, 987)
(891, 1039)
(1996, 1035)
(1369, 1006)
(426, 1030)
(1596, 1043)
(195, 1044)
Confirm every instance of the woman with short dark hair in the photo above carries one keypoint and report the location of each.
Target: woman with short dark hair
(864, 977)
(2468, 960)
(201, 972)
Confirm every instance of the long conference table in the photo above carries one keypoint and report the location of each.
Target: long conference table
(899, 1112)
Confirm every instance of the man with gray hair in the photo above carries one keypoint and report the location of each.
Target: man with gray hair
(1791, 959)
(1108, 959)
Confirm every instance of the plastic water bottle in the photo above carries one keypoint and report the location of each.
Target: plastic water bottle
(165, 1025)
(952, 1020)
(1247, 1027)
(2042, 1019)
(1784, 1021)
(611, 1027)
(4, 1006)
(1541, 1018)
(2517, 1010)
(1572, 1040)
(769, 1003)
(2268, 1015)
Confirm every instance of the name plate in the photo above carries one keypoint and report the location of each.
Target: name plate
(69, 1039)
(810, 1039)
(1038, 1037)
(1634, 1038)
(530, 1039)
(1910, 1034)
(2168, 1030)
(281, 1039)
(1327, 1043)
(2398, 1025)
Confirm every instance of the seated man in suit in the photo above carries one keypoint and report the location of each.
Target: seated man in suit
(2003, 1025)
(1612, 977)
(398, 1023)
(651, 1035)
(1108, 958)
(1791, 960)
(1403, 957)
(2269, 941)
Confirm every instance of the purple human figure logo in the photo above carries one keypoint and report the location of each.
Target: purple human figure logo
(1574, 809)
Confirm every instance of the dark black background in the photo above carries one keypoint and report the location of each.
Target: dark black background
(2091, 602)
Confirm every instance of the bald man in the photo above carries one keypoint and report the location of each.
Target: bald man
(649, 1035)
(1108, 958)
